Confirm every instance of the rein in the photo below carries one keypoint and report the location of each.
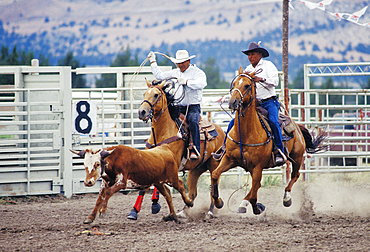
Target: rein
(150, 116)
(241, 110)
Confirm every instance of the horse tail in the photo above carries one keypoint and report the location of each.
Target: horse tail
(313, 144)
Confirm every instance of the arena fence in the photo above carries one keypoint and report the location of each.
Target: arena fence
(38, 125)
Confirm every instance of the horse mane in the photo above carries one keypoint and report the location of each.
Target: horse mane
(166, 90)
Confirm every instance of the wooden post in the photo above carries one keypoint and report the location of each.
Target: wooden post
(285, 54)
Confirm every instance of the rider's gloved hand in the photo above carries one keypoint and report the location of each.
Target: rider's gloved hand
(225, 99)
(182, 81)
(151, 57)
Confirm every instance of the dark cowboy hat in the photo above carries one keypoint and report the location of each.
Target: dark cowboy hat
(254, 47)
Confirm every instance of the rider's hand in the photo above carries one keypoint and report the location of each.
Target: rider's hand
(182, 81)
(151, 57)
(259, 79)
(225, 99)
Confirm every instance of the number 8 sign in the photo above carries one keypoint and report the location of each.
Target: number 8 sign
(84, 115)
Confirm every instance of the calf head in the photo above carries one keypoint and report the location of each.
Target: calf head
(94, 163)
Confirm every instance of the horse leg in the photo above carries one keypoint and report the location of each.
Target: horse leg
(137, 207)
(287, 200)
(167, 195)
(224, 165)
(192, 182)
(258, 208)
(156, 207)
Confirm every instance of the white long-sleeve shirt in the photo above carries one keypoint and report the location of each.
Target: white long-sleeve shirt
(267, 70)
(196, 81)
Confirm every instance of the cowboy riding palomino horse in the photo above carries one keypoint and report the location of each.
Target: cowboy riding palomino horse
(250, 145)
(164, 130)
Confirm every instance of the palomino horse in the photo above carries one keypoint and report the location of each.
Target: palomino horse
(164, 129)
(248, 136)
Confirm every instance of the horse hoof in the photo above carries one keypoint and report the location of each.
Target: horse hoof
(88, 221)
(156, 208)
(102, 215)
(209, 215)
(171, 217)
(258, 209)
(287, 200)
(191, 204)
(242, 210)
(182, 214)
(132, 215)
(220, 205)
(287, 203)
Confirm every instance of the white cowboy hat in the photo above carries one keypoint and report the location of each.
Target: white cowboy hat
(181, 56)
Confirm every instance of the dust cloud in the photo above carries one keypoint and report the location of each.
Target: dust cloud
(326, 194)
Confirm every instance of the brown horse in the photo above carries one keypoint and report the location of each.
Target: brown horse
(164, 129)
(248, 136)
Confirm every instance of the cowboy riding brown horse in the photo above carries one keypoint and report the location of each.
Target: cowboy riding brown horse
(250, 145)
(164, 130)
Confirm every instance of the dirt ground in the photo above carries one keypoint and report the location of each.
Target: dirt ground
(325, 216)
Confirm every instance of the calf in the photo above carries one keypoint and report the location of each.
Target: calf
(120, 165)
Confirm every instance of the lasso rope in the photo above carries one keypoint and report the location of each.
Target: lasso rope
(228, 201)
(133, 78)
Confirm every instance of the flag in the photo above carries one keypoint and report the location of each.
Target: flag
(354, 17)
(321, 5)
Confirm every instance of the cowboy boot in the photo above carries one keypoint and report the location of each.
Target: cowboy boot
(194, 154)
(280, 158)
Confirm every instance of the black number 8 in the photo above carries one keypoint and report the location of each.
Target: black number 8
(83, 115)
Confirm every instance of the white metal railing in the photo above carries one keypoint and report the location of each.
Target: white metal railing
(118, 122)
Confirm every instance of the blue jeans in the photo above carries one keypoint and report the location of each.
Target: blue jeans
(193, 120)
(272, 106)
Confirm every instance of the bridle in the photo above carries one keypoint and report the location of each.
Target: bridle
(241, 109)
(248, 91)
(150, 115)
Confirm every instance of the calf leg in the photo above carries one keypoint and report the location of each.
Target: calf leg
(167, 195)
(179, 186)
(104, 195)
(98, 204)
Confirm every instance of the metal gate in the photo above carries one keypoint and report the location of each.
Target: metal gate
(34, 137)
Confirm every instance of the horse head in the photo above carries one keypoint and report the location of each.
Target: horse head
(154, 101)
(94, 162)
(242, 90)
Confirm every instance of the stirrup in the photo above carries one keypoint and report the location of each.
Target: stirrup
(219, 153)
(284, 159)
(194, 154)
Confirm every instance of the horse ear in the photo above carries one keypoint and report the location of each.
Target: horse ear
(147, 83)
(240, 70)
(162, 84)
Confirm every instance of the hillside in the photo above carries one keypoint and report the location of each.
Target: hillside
(96, 30)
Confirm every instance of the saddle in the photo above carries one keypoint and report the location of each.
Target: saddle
(206, 129)
(287, 129)
(286, 124)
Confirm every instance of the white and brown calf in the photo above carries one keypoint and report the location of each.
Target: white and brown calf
(119, 165)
